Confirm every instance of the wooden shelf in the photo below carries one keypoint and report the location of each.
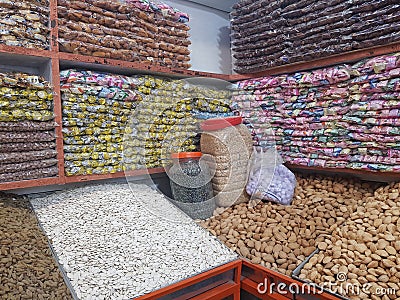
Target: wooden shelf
(346, 57)
(15, 51)
(134, 173)
(74, 179)
(30, 183)
(361, 174)
(69, 60)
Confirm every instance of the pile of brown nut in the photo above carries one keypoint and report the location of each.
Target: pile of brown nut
(281, 237)
(362, 258)
(27, 269)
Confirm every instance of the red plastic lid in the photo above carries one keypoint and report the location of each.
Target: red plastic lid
(186, 155)
(219, 123)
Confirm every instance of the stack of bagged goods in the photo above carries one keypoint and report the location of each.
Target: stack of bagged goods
(339, 117)
(374, 116)
(377, 23)
(172, 37)
(139, 31)
(25, 23)
(114, 123)
(364, 254)
(96, 108)
(27, 136)
(167, 121)
(268, 34)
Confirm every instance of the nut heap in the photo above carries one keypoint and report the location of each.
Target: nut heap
(116, 241)
(281, 237)
(365, 252)
(27, 269)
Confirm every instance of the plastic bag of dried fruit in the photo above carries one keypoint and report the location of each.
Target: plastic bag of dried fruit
(269, 179)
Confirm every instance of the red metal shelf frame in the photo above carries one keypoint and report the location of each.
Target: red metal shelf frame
(219, 292)
(26, 51)
(248, 277)
(82, 178)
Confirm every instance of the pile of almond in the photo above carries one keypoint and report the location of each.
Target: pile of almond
(365, 252)
(281, 237)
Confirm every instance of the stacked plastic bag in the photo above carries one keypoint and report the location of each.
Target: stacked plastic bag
(25, 23)
(96, 107)
(113, 123)
(27, 137)
(131, 30)
(167, 121)
(272, 33)
(338, 117)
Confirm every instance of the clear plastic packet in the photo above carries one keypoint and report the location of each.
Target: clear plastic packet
(26, 136)
(269, 179)
(31, 146)
(20, 157)
(27, 126)
(29, 165)
(29, 174)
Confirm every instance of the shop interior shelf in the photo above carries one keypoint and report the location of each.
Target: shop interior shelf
(345, 57)
(361, 174)
(60, 180)
(81, 178)
(19, 62)
(69, 60)
(15, 51)
(48, 63)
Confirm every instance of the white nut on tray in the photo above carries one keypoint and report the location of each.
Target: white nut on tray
(111, 246)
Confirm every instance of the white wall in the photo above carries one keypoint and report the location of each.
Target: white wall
(209, 34)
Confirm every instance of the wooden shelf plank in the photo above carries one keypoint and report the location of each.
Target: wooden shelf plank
(14, 51)
(30, 183)
(82, 178)
(69, 60)
(361, 174)
(74, 179)
(346, 57)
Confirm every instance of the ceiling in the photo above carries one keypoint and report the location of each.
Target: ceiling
(224, 5)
